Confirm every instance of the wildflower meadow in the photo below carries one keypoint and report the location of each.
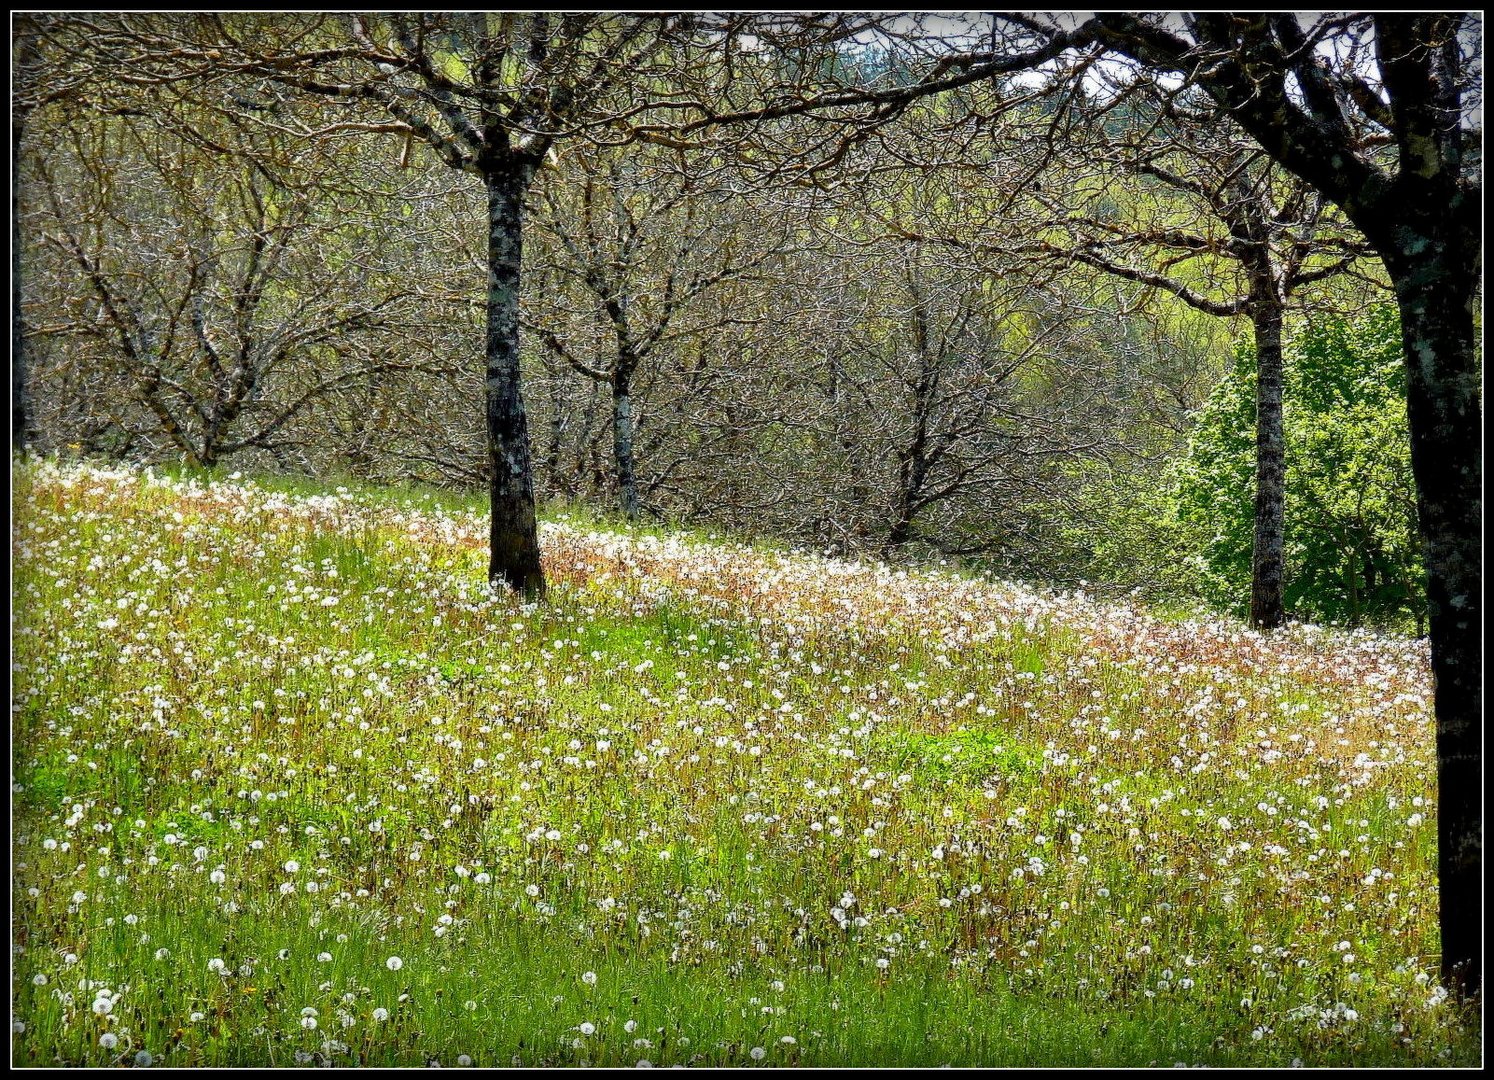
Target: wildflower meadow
(292, 785)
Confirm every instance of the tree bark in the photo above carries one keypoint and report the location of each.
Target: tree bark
(622, 443)
(911, 474)
(25, 80)
(514, 535)
(1268, 552)
(20, 416)
(898, 534)
(1436, 289)
(1425, 221)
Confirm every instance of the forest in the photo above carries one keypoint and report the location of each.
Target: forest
(1175, 316)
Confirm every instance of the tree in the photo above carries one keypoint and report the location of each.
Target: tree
(645, 238)
(1209, 199)
(1351, 536)
(935, 383)
(490, 94)
(212, 300)
(1374, 111)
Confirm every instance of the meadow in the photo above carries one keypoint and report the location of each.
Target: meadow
(290, 785)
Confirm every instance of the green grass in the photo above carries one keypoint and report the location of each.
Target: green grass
(413, 494)
(1067, 840)
(969, 756)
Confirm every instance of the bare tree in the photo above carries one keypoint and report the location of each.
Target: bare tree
(1250, 240)
(932, 373)
(224, 300)
(645, 239)
(1324, 98)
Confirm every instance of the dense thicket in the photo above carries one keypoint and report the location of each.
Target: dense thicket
(992, 346)
(888, 368)
(791, 368)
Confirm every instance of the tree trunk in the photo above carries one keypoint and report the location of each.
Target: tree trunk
(1436, 288)
(898, 534)
(557, 438)
(1267, 564)
(1353, 580)
(622, 443)
(514, 536)
(911, 473)
(19, 413)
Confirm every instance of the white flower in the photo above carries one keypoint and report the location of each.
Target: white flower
(108, 1040)
(381, 1014)
(587, 1028)
(589, 978)
(143, 1059)
(324, 957)
(216, 966)
(758, 1053)
(394, 963)
(464, 1060)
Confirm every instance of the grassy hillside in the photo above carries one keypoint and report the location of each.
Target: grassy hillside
(290, 785)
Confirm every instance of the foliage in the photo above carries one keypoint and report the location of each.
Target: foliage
(1352, 549)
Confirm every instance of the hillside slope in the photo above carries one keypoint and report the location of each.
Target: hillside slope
(280, 759)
